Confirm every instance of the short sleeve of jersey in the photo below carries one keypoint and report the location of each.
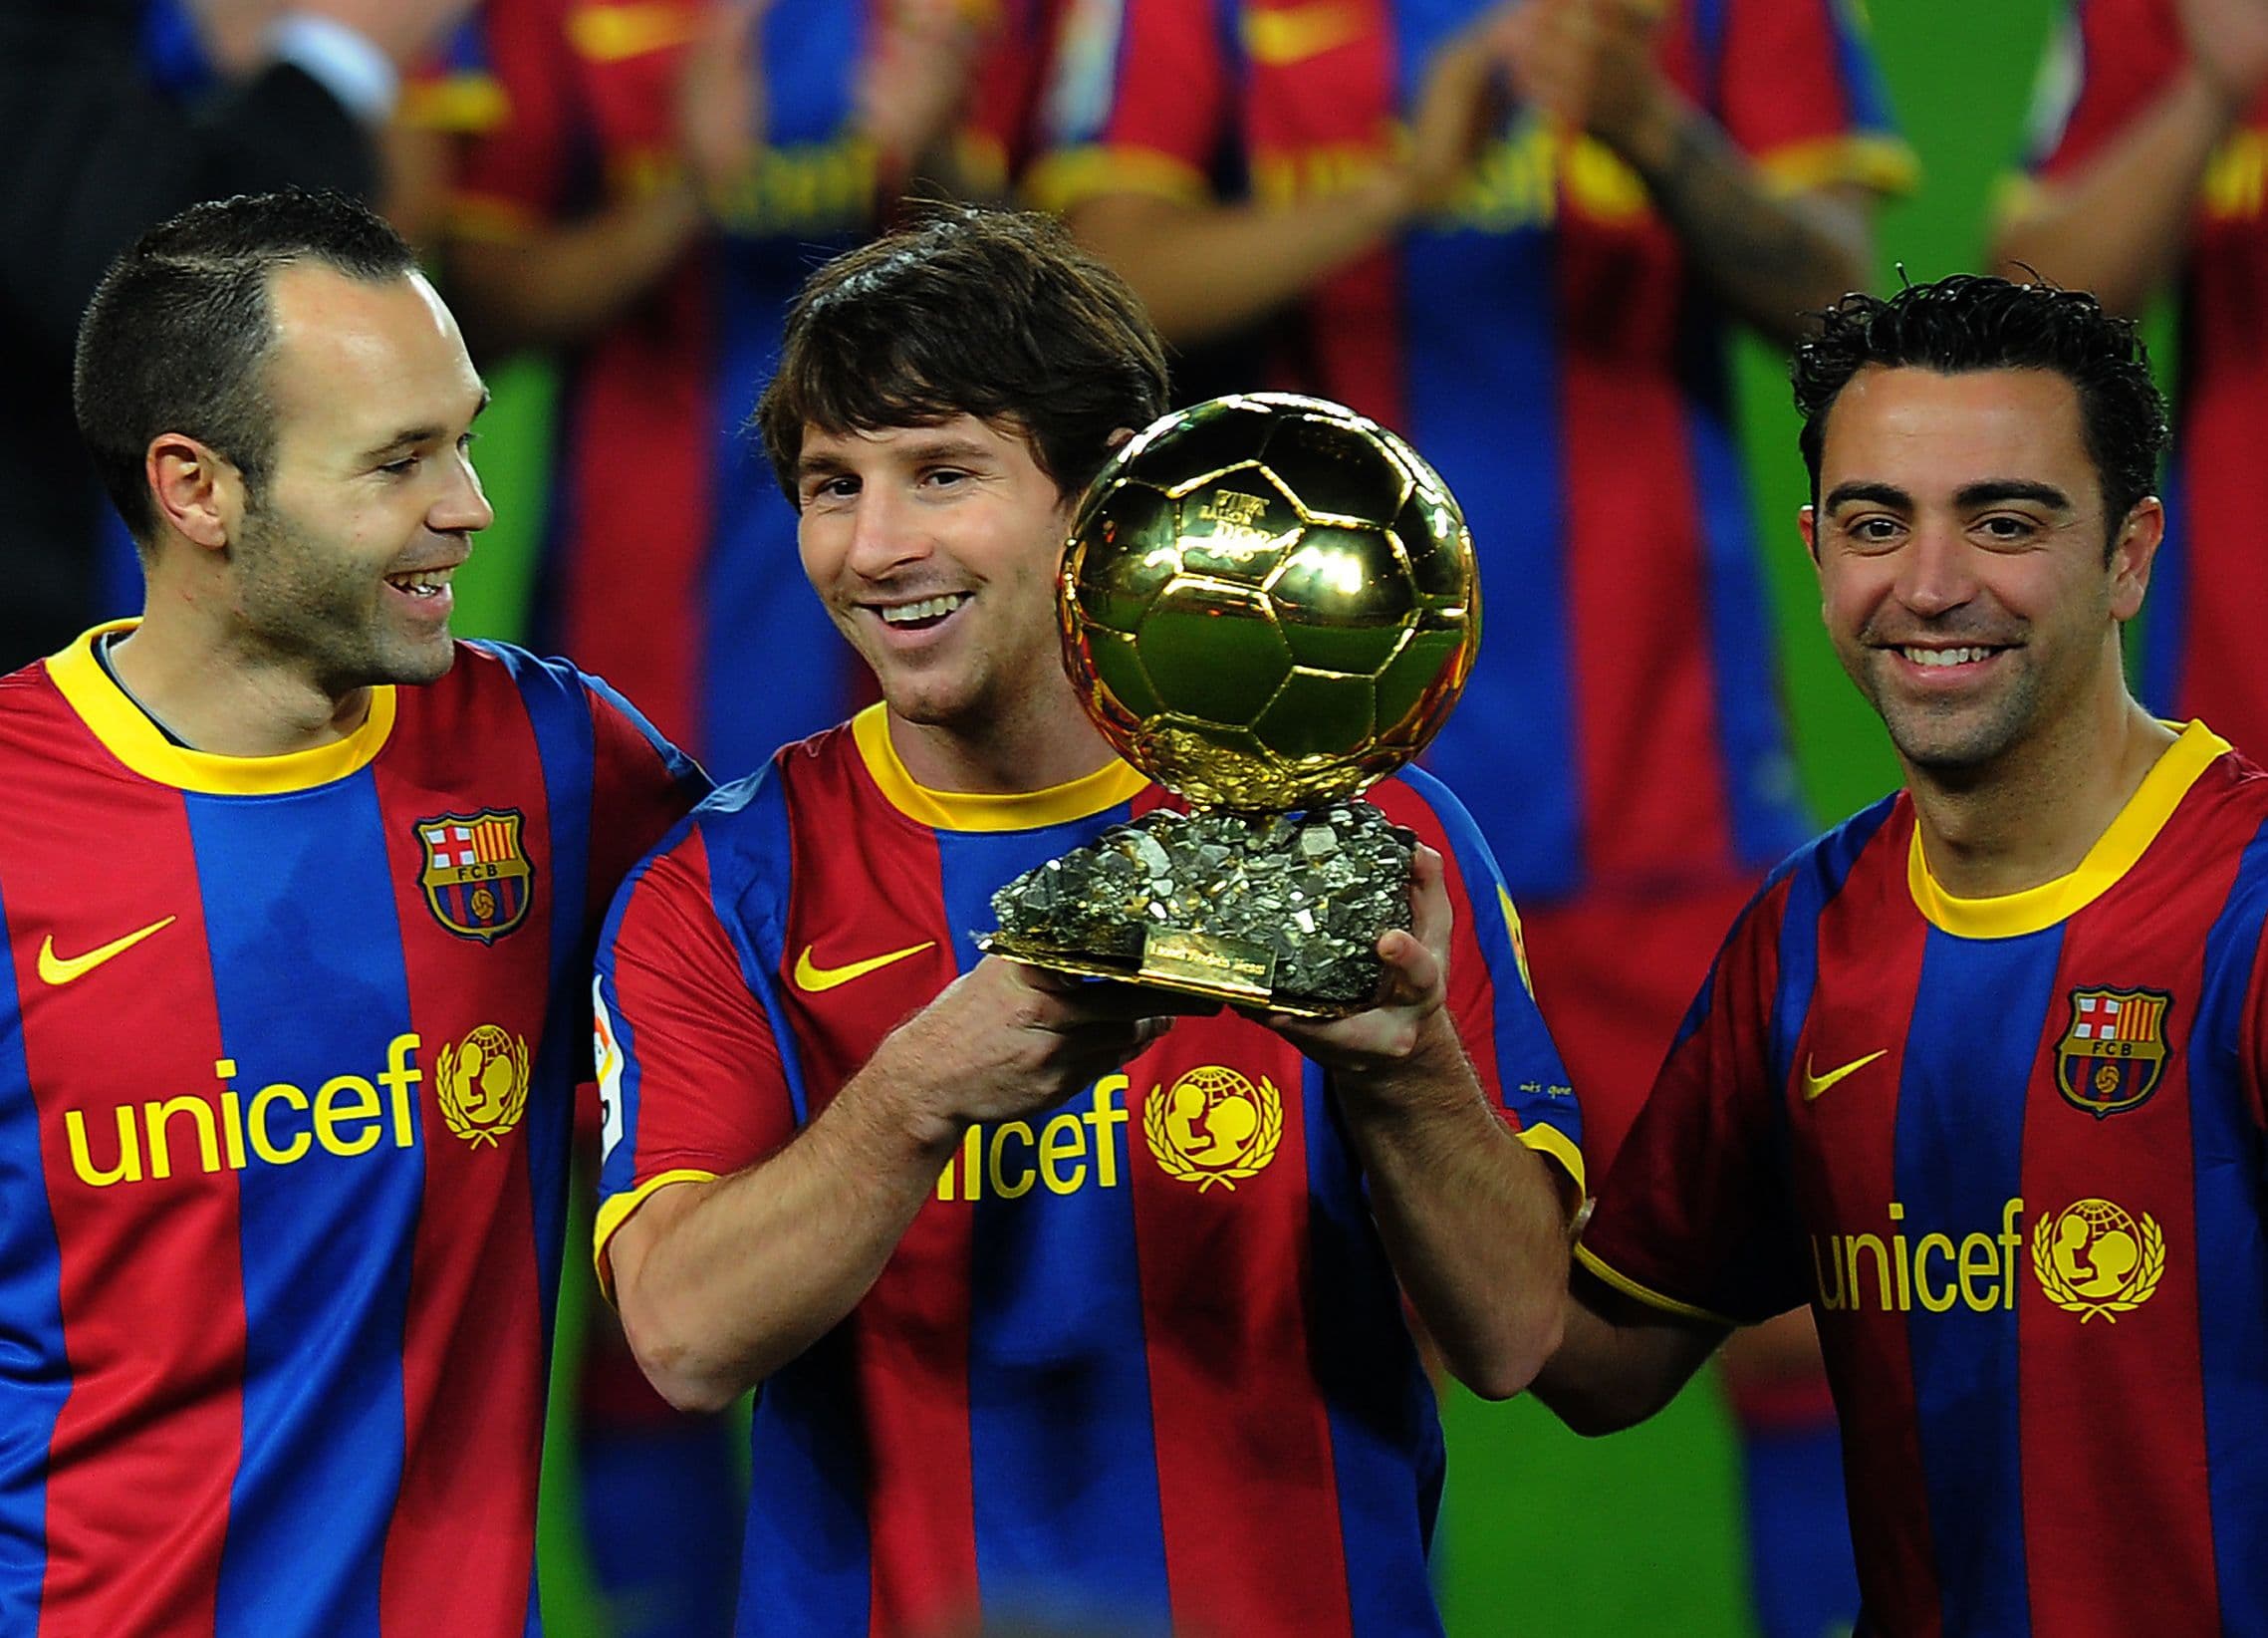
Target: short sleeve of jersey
(691, 1083)
(1696, 1216)
(515, 173)
(1135, 101)
(452, 90)
(2105, 62)
(1489, 991)
(1797, 88)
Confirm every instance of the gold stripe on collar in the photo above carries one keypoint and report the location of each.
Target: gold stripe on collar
(1108, 786)
(2011, 915)
(136, 742)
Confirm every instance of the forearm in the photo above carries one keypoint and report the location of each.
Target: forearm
(721, 1283)
(1203, 270)
(1771, 257)
(1617, 1363)
(560, 286)
(2120, 225)
(1473, 1219)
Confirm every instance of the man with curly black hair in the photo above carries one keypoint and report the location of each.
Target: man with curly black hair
(1984, 1065)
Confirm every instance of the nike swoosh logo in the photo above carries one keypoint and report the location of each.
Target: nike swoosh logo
(62, 969)
(615, 34)
(811, 979)
(1277, 39)
(1814, 1085)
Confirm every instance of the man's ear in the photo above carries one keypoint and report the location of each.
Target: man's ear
(1117, 439)
(198, 493)
(2131, 555)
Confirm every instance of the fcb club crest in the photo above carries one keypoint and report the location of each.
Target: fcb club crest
(477, 878)
(2112, 1055)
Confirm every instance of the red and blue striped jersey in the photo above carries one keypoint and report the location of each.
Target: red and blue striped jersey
(2197, 653)
(1544, 342)
(671, 558)
(2011, 1152)
(287, 1048)
(1141, 1358)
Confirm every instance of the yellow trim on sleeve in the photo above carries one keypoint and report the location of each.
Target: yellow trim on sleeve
(2015, 196)
(134, 740)
(1076, 175)
(489, 220)
(616, 34)
(1652, 1299)
(466, 103)
(2012, 915)
(1108, 786)
(1551, 1142)
(1883, 164)
(615, 1210)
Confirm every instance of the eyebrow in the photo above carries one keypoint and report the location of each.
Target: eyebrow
(927, 449)
(411, 436)
(1983, 492)
(1881, 494)
(1992, 492)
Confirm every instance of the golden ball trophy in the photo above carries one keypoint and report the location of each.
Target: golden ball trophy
(1268, 603)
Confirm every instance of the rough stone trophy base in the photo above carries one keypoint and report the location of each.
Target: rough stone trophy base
(1275, 911)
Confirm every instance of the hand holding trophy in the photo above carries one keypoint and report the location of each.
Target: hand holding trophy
(1268, 603)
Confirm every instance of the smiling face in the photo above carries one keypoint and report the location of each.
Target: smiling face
(1960, 544)
(341, 562)
(934, 549)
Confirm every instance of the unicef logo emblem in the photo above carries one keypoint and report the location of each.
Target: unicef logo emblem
(2093, 1258)
(484, 1085)
(1213, 1126)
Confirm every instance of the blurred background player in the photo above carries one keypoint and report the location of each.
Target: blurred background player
(1125, 1394)
(115, 115)
(2147, 172)
(656, 181)
(300, 894)
(1521, 234)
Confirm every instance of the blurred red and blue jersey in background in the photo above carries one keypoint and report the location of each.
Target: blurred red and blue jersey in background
(2198, 646)
(1543, 342)
(2011, 1152)
(1141, 1360)
(670, 565)
(287, 1047)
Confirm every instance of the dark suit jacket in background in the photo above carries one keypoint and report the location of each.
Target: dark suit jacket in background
(91, 156)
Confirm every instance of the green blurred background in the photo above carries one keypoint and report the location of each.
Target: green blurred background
(1544, 1533)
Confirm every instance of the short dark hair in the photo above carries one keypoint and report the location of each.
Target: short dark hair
(1973, 321)
(994, 314)
(178, 334)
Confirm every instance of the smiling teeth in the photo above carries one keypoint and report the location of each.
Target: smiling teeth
(931, 607)
(423, 582)
(1945, 656)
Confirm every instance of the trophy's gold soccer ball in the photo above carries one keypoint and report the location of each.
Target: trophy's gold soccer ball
(1269, 602)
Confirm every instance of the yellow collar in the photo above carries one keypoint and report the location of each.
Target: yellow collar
(2012, 915)
(134, 740)
(1107, 787)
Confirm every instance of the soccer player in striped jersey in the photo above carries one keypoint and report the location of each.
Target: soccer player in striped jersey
(2149, 134)
(1979, 1075)
(1056, 1309)
(299, 897)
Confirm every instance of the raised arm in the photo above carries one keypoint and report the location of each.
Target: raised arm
(2119, 224)
(1205, 267)
(1770, 254)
